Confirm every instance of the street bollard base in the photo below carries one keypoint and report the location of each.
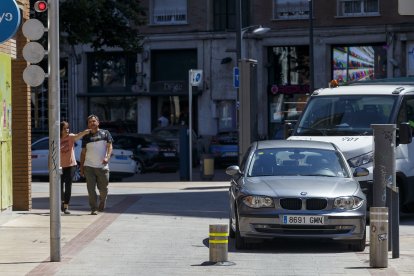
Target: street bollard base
(227, 263)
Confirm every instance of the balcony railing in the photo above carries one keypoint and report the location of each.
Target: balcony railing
(170, 16)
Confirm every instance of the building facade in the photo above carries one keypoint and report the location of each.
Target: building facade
(15, 132)
(352, 40)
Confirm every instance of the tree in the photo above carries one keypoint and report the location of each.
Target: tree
(101, 23)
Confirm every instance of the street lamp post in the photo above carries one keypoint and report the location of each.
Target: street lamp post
(255, 29)
(243, 102)
(311, 69)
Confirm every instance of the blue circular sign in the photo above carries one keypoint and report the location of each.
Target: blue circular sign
(9, 19)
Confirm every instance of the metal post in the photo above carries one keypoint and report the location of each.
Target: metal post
(395, 210)
(378, 248)
(54, 129)
(384, 161)
(311, 65)
(190, 124)
(238, 57)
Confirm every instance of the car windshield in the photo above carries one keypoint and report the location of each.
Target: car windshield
(297, 161)
(345, 115)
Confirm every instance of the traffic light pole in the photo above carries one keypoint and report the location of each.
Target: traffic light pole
(54, 130)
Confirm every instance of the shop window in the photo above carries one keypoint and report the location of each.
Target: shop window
(116, 114)
(290, 9)
(111, 72)
(358, 63)
(358, 7)
(288, 87)
(225, 14)
(166, 12)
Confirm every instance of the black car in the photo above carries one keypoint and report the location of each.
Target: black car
(172, 133)
(150, 152)
(224, 147)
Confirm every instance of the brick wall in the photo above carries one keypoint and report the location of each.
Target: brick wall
(21, 127)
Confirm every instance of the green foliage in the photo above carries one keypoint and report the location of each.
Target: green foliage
(102, 23)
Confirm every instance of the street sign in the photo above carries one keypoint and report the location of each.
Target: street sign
(196, 77)
(236, 77)
(9, 19)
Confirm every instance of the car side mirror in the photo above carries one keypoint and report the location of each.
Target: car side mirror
(405, 135)
(360, 171)
(233, 171)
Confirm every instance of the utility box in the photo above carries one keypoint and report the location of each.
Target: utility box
(247, 114)
(184, 154)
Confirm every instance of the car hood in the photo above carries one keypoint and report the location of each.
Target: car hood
(292, 186)
(350, 146)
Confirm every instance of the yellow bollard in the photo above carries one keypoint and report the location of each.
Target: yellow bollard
(218, 243)
(207, 167)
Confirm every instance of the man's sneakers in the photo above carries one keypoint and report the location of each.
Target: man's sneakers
(101, 208)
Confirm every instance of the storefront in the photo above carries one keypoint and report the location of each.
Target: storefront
(288, 86)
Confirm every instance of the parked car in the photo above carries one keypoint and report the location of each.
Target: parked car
(121, 163)
(172, 133)
(296, 189)
(150, 152)
(224, 147)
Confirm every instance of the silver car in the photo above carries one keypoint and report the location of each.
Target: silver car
(296, 189)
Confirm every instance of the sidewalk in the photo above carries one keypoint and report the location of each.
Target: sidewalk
(161, 228)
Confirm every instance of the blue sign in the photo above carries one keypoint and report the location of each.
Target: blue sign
(9, 19)
(236, 77)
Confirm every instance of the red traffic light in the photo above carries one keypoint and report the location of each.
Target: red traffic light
(40, 6)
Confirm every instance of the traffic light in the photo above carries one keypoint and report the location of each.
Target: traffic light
(33, 51)
(40, 6)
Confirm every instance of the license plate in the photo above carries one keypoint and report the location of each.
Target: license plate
(303, 220)
(121, 157)
(230, 154)
(169, 154)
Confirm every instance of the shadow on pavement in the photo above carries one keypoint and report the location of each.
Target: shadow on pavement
(206, 204)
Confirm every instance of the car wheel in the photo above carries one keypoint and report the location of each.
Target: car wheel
(240, 242)
(359, 245)
(140, 167)
(232, 234)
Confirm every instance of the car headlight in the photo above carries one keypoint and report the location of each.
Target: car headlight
(348, 202)
(258, 201)
(361, 160)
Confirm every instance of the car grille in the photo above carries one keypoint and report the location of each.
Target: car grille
(304, 229)
(303, 203)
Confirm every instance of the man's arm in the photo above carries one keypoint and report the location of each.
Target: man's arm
(108, 153)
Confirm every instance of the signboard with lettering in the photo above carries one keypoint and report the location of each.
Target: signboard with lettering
(9, 19)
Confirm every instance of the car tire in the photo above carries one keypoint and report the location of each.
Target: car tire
(239, 241)
(232, 234)
(140, 167)
(359, 245)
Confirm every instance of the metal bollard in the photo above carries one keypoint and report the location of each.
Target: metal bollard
(378, 249)
(218, 242)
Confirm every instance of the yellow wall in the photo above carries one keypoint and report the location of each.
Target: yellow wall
(5, 133)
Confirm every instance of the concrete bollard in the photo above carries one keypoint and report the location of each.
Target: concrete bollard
(218, 242)
(378, 248)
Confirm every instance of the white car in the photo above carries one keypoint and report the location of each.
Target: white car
(120, 164)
